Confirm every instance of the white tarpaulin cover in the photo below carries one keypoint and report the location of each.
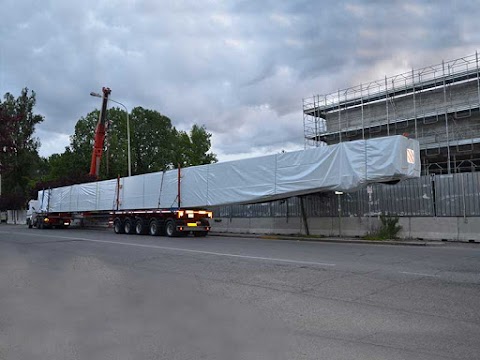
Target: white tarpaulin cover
(341, 167)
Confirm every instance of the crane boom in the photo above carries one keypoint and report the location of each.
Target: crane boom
(99, 135)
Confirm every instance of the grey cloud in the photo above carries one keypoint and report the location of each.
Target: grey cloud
(240, 68)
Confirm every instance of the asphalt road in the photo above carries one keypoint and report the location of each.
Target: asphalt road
(91, 294)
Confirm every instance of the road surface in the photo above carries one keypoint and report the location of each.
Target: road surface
(91, 294)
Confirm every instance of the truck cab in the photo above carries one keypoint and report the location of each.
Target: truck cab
(42, 219)
(33, 205)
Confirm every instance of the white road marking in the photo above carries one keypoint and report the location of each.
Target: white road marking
(418, 274)
(298, 262)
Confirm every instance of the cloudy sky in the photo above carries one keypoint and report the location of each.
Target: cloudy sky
(241, 68)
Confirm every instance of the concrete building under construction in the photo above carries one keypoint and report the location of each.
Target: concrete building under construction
(439, 105)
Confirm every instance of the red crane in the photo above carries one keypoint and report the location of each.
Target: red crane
(99, 135)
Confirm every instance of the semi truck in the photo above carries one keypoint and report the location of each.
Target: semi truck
(49, 211)
(41, 219)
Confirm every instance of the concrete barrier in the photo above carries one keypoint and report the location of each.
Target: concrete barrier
(16, 216)
(428, 228)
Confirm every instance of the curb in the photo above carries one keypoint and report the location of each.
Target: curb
(330, 240)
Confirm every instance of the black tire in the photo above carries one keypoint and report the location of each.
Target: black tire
(200, 233)
(140, 227)
(171, 228)
(154, 227)
(128, 226)
(29, 223)
(118, 226)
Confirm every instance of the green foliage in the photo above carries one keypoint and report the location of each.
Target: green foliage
(155, 145)
(66, 166)
(19, 159)
(192, 149)
(389, 229)
(152, 141)
(81, 142)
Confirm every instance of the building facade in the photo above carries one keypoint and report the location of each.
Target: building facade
(439, 105)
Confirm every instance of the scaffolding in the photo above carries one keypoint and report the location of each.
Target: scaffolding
(439, 105)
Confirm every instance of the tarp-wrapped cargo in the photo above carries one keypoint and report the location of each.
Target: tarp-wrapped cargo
(341, 167)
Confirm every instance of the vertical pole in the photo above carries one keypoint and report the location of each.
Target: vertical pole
(108, 157)
(365, 150)
(386, 106)
(305, 140)
(446, 118)
(478, 77)
(363, 134)
(369, 191)
(48, 199)
(414, 104)
(43, 198)
(316, 120)
(363, 124)
(463, 199)
(179, 187)
(304, 215)
(129, 157)
(323, 127)
(118, 192)
(339, 214)
(339, 120)
(287, 213)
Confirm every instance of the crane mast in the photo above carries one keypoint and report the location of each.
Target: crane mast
(99, 135)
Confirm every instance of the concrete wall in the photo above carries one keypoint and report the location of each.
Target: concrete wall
(428, 228)
(16, 216)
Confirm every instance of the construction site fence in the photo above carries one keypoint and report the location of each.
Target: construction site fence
(451, 195)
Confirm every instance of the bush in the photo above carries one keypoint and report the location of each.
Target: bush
(389, 229)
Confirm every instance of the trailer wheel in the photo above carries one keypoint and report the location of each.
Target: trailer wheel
(128, 226)
(154, 227)
(140, 227)
(170, 228)
(118, 226)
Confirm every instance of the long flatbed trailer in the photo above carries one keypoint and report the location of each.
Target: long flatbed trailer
(174, 202)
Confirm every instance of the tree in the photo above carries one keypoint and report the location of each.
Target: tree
(114, 159)
(19, 159)
(155, 145)
(153, 141)
(192, 149)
